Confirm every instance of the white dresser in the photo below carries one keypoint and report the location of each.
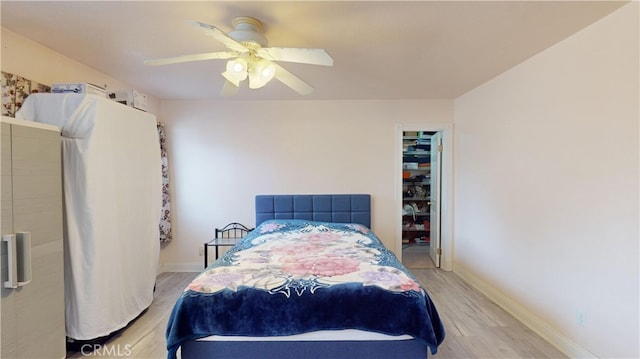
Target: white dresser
(32, 308)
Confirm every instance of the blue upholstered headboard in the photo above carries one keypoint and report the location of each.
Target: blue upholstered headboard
(339, 208)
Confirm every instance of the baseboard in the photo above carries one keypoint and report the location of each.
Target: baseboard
(540, 327)
(181, 267)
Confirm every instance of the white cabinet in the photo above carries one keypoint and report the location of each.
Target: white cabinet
(32, 319)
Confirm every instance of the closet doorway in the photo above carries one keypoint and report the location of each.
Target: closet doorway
(424, 196)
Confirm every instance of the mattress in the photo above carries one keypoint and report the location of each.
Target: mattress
(320, 335)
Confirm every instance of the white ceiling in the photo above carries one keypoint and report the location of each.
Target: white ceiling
(381, 49)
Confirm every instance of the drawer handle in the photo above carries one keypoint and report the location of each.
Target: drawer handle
(18, 259)
(23, 241)
(12, 264)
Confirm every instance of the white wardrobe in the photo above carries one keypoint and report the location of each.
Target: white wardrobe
(32, 304)
(112, 201)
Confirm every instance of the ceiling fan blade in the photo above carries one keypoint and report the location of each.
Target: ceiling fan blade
(299, 55)
(221, 36)
(229, 89)
(189, 58)
(292, 81)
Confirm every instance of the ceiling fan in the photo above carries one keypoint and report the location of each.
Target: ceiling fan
(250, 57)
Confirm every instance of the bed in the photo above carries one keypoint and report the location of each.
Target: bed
(311, 281)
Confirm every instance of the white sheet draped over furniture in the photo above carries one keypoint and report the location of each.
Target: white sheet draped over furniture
(112, 192)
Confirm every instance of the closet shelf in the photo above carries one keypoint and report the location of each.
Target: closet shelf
(416, 183)
(410, 182)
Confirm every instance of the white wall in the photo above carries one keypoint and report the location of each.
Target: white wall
(292, 147)
(546, 166)
(224, 153)
(31, 60)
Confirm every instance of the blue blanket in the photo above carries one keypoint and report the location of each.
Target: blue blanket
(293, 276)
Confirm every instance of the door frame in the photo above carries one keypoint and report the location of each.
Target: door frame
(446, 212)
(435, 207)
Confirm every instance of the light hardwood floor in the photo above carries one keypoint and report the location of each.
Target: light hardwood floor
(416, 256)
(144, 338)
(475, 327)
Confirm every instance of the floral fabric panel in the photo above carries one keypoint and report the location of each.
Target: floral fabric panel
(165, 218)
(15, 89)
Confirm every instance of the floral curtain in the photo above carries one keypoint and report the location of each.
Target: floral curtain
(165, 219)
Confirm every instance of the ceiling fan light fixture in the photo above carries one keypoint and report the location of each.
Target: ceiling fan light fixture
(267, 72)
(231, 79)
(247, 30)
(261, 73)
(238, 67)
(236, 71)
(250, 57)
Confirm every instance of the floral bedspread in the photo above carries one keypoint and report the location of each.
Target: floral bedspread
(291, 277)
